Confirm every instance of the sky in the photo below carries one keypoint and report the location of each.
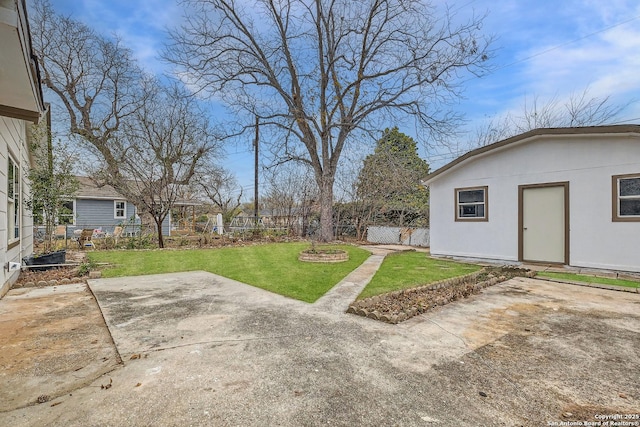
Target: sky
(544, 49)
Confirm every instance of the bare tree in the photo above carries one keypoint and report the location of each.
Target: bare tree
(148, 138)
(322, 69)
(160, 147)
(221, 188)
(290, 196)
(95, 78)
(579, 109)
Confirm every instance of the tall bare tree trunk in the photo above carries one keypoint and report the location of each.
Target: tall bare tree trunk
(326, 207)
(319, 70)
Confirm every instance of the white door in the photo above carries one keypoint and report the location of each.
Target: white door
(544, 224)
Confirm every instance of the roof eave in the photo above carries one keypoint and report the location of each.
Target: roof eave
(21, 94)
(619, 130)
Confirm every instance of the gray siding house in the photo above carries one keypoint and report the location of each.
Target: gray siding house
(102, 208)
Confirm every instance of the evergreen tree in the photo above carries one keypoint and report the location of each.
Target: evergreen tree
(389, 182)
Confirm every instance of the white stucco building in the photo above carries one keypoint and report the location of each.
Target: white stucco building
(568, 196)
(21, 105)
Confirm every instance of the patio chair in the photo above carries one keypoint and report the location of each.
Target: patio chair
(84, 239)
(60, 232)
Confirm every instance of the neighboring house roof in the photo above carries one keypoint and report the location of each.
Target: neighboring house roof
(89, 189)
(187, 202)
(20, 90)
(529, 137)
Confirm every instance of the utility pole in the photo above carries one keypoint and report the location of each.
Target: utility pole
(255, 183)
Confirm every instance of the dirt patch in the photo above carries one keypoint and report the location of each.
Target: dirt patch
(548, 363)
(54, 340)
(395, 307)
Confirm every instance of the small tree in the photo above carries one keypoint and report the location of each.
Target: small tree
(52, 182)
(290, 195)
(160, 148)
(221, 188)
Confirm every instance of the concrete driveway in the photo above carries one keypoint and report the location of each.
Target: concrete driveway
(202, 350)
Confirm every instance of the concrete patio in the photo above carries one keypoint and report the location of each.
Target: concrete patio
(199, 349)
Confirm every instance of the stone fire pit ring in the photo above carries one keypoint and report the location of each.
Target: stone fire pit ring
(323, 255)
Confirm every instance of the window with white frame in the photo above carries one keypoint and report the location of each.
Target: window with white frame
(119, 209)
(13, 201)
(472, 204)
(626, 197)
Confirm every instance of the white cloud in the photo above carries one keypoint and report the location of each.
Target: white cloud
(573, 46)
(140, 24)
(608, 63)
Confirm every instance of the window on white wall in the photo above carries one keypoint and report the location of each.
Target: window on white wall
(120, 209)
(472, 204)
(13, 201)
(626, 197)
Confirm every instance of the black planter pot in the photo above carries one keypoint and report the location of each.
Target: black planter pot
(57, 257)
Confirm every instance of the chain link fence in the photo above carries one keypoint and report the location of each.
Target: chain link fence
(398, 236)
(135, 236)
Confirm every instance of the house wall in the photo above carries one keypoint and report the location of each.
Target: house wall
(586, 162)
(13, 137)
(99, 213)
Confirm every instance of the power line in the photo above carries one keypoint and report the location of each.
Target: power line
(535, 55)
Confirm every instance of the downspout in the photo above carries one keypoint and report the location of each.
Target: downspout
(21, 192)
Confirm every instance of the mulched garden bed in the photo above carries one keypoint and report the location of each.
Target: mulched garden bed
(30, 278)
(398, 306)
(52, 277)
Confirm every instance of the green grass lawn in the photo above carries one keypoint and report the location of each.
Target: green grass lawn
(590, 279)
(410, 269)
(274, 267)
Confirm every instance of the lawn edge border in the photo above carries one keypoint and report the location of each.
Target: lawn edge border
(359, 307)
